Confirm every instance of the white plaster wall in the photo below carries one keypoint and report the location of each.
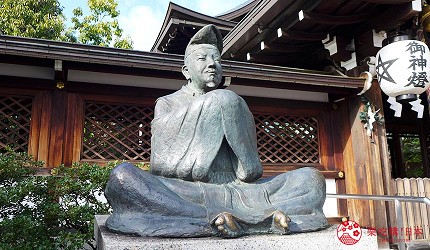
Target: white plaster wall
(330, 205)
(26, 71)
(161, 83)
(152, 82)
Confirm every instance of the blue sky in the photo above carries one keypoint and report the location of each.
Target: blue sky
(142, 19)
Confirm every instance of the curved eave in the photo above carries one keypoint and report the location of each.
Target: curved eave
(274, 31)
(239, 11)
(177, 14)
(276, 77)
(261, 19)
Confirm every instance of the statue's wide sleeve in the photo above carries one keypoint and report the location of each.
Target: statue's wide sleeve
(186, 137)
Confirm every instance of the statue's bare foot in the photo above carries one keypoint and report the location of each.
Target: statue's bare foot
(280, 222)
(227, 225)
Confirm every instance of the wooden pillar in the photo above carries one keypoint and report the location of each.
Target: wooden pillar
(425, 137)
(57, 133)
(397, 157)
(423, 133)
(341, 131)
(75, 116)
(56, 127)
(367, 169)
(41, 126)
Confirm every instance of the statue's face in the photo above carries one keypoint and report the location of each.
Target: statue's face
(203, 67)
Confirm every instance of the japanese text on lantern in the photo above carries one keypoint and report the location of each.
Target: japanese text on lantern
(416, 50)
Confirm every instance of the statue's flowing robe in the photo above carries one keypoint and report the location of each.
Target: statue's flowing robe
(188, 131)
(204, 162)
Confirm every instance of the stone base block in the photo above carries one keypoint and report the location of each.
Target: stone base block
(418, 245)
(321, 240)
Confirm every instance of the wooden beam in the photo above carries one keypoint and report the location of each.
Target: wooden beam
(291, 48)
(328, 174)
(336, 220)
(268, 171)
(317, 18)
(186, 31)
(300, 35)
(273, 57)
(392, 17)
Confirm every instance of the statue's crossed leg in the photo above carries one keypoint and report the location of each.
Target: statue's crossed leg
(230, 227)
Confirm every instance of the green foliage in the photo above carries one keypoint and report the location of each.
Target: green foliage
(412, 158)
(21, 225)
(32, 18)
(101, 26)
(364, 115)
(49, 212)
(78, 188)
(45, 19)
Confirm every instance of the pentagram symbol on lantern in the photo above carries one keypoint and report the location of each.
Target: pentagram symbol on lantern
(382, 69)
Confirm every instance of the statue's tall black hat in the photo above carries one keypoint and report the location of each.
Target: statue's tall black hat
(209, 34)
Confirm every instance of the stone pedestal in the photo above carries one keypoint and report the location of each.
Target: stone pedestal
(418, 245)
(321, 240)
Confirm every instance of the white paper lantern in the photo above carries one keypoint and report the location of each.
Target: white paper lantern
(403, 68)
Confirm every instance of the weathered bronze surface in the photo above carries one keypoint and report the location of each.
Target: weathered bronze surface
(205, 168)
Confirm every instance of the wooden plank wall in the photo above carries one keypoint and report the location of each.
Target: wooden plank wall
(415, 216)
(56, 127)
(367, 167)
(341, 131)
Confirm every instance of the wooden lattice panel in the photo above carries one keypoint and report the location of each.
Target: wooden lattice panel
(15, 114)
(287, 139)
(117, 132)
(416, 216)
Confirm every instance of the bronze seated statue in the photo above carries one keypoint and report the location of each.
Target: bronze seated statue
(205, 169)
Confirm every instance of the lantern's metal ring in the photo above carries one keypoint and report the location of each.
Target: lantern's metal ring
(406, 98)
(397, 38)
